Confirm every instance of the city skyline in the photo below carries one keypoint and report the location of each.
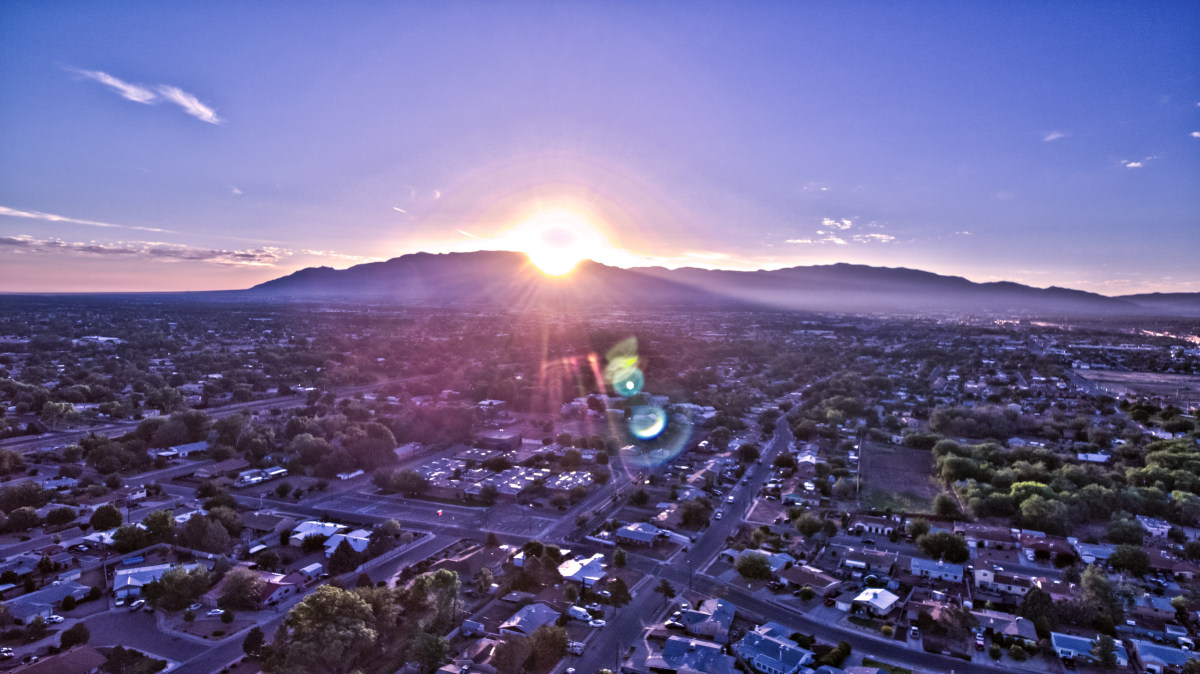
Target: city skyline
(191, 147)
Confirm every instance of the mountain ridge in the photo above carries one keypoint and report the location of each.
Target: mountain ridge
(508, 277)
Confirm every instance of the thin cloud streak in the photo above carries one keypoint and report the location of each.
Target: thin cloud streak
(140, 94)
(131, 92)
(268, 256)
(1053, 136)
(190, 104)
(50, 217)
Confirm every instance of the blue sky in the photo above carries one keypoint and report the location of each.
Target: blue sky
(168, 146)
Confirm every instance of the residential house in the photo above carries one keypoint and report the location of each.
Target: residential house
(1159, 659)
(313, 528)
(42, 602)
(986, 537)
(822, 583)
(768, 650)
(275, 587)
(1006, 624)
(586, 572)
(525, 621)
(874, 524)
(640, 533)
(685, 656)
(711, 619)
(989, 576)
(876, 602)
(936, 570)
(1071, 646)
(870, 561)
(358, 539)
(78, 660)
(129, 582)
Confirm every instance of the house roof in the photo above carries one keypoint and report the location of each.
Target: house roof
(878, 599)
(1152, 653)
(686, 656)
(529, 618)
(766, 652)
(78, 660)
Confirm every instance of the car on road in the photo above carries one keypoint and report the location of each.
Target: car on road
(216, 612)
(594, 607)
(719, 515)
(54, 619)
(137, 604)
(605, 593)
(597, 623)
(868, 541)
(729, 498)
(7, 653)
(195, 607)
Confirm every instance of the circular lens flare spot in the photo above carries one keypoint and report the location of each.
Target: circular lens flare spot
(628, 382)
(647, 422)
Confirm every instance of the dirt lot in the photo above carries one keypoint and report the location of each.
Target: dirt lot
(1176, 388)
(897, 478)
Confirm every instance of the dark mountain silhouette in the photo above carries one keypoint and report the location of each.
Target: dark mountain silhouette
(506, 278)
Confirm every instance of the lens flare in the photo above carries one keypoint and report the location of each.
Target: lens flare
(648, 422)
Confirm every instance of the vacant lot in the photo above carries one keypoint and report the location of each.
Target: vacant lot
(897, 478)
(1175, 388)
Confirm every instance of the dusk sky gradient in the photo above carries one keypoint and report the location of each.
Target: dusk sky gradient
(183, 145)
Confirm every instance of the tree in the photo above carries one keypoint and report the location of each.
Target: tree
(549, 645)
(748, 453)
(330, 630)
(488, 494)
(240, 589)
(1130, 558)
(1038, 607)
(620, 592)
(944, 505)
(428, 650)
(75, 635)
(943, 545)
(23, 519)
(918, 527)
(956, 621)
(36, 629)
(754, 566)
(619, 560)
(640, 498)
(809, 524)
(511, 655)
(1105, 650)
(160, 526)
(60, 516)
(1097, 597)
(129, 538)
(695, 513)
(254, 641)
(1126, 531)
(664, 588)
(106, 517)
(344, 559)
(177, 587)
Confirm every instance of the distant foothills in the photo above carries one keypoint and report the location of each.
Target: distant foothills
(508, 278)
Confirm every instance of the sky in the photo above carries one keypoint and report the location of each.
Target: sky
(151, 146)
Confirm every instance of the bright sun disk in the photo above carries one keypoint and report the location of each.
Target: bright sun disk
(557, 240)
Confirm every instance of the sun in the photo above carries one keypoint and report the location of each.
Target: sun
(557, 240)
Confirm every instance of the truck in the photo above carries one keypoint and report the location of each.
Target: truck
(579, 613)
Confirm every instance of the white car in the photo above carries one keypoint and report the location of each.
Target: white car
(195, 607)
(597, 623)
(719, 515)
(54, 619)
(137, 604)
(729, 498)
(216, 612)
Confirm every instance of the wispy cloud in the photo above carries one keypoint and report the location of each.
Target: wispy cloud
(132, 92)
(1138, 163)
(468, 234)
(1196, 134)
(190, 104)
(1053, 136)
(235, 191)
(844, 223)
(165, 252)
(873, 238)
(50, 217)
(143, 94)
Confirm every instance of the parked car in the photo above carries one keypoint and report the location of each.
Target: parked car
(868, 541)
(195, 607)
(914, 633)
(216, 612)
(137, 604)
(597, 623)
(719, 515)
(54, 619)
(594, 607)
(7, 653)
(979, 643)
